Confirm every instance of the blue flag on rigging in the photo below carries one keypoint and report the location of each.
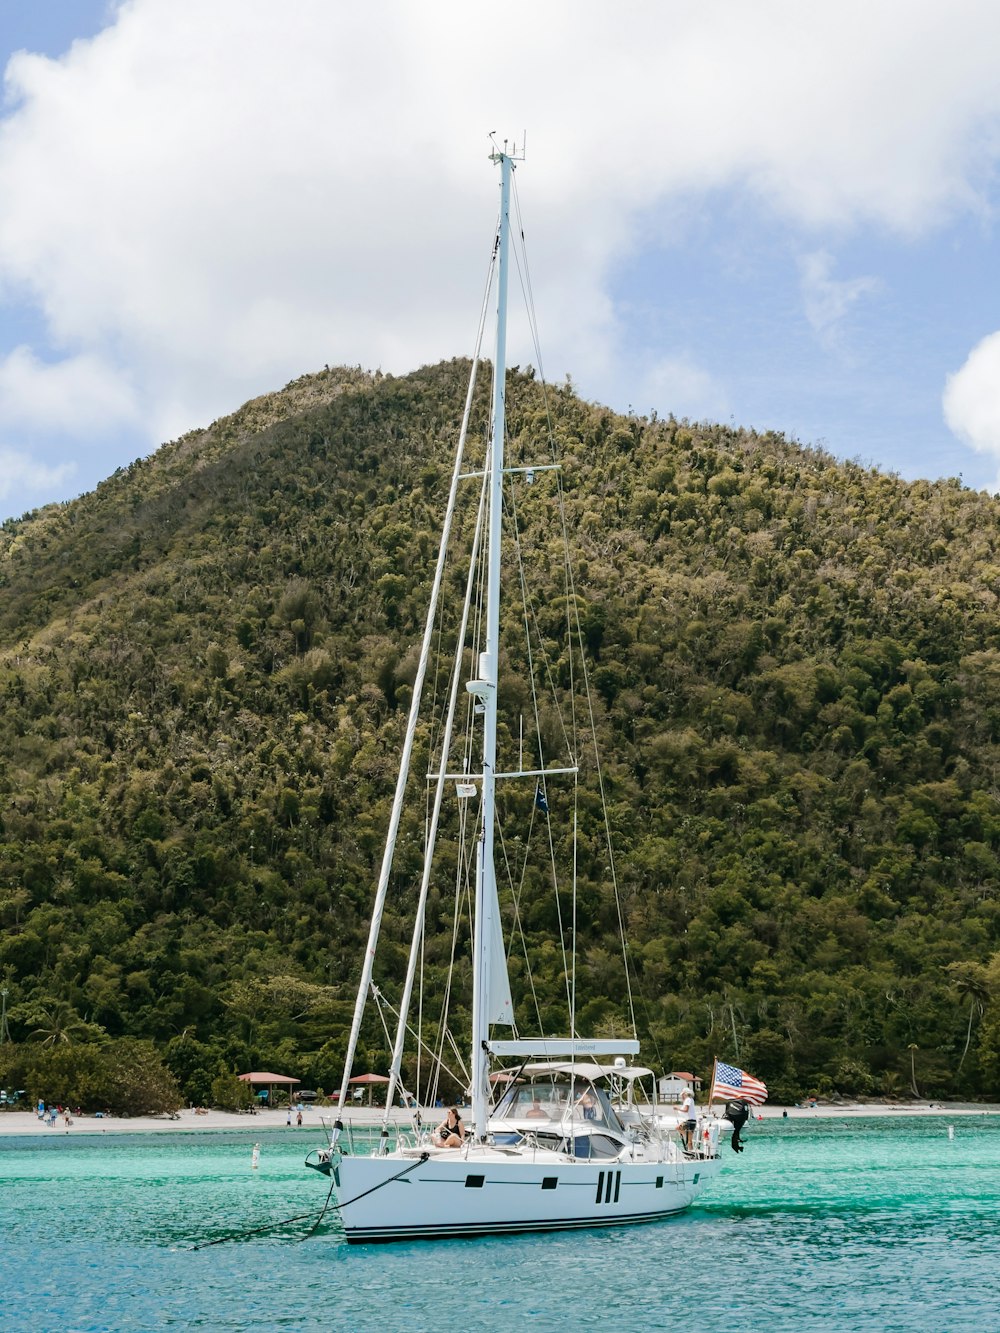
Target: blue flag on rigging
(540, 800)
(728, 1081)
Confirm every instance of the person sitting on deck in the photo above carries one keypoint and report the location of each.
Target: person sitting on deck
(536, 1111)
(451, 1132)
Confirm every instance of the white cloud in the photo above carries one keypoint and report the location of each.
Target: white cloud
(79, 394)
(208, 199)
(972, 399)
(677, 386)
(20, 472)
(828, 300)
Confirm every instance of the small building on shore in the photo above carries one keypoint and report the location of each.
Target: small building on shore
(672, 1087)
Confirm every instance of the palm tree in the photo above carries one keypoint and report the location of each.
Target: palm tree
(60, 1023)
(913, 1048)
(971, 982)
(890, 1083)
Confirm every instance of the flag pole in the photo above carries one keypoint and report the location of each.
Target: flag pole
(711, 1091)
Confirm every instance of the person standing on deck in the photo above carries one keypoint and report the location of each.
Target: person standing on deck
(688, 1120)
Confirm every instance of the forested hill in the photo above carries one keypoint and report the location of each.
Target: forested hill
(205, 667)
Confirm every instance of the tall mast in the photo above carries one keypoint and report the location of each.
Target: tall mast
(485, 686)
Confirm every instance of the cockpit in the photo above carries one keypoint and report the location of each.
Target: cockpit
(555, 1100)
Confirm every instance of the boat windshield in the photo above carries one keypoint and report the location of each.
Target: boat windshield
(555, 1101)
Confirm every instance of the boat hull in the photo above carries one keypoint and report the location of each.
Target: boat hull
(462, 1194)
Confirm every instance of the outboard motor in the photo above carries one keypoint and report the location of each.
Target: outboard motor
(737, 1113)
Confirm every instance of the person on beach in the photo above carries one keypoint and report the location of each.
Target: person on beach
(451, 1132)
(688, 1120)
(298, 1118)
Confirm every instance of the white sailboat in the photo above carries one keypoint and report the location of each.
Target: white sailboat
(566, 1141)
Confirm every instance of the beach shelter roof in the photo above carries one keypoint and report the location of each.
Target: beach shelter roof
(370, 1079)
(268, 1079)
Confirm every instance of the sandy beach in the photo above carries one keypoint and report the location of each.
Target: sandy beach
(189, 1121)
(186, 1122)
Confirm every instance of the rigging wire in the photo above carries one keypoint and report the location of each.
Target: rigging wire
(464, 863)
(525, 600)
(604, 810)
(573, 610)
(525, 280)
(442, 769)
(388, 854)
(530, 612)
(473, 595)
(425, 1046)
(516, 892)
(455, 924)
(416, 952)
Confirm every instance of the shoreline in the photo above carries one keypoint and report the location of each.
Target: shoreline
(27, 1124)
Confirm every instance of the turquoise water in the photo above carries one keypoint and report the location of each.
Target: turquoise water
(878, 1224)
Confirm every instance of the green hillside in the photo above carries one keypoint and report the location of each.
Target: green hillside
(205, 667)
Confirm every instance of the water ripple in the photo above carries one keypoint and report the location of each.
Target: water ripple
(831, 1225)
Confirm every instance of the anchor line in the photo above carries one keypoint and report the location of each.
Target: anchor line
(345, 1203)
(322, 1212)
(256, 1231)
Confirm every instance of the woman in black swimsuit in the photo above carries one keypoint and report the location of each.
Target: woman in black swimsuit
(451, 1132)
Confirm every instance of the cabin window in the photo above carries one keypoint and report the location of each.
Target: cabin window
(475, 1182)
(595, 1145)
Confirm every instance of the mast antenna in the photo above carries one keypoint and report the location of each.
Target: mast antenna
(499, 153)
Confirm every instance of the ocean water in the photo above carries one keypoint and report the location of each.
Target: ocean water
(884, 1224)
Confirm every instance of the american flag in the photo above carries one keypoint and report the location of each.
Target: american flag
(732, 1082)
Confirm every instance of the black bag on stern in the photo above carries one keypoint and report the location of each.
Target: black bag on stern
(737, 1113)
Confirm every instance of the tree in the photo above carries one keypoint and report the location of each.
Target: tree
(59, 1023)
(131, 1079)
(126, 1077)
(913, 1048)
(794, 676)
(971, 982)
(230, 1092)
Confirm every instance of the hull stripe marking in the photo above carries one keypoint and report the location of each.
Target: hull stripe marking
(357, 1235)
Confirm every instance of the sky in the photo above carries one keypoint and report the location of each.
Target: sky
(777, 215)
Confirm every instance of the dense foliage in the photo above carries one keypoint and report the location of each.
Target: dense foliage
(123, 1077)
(205, 667)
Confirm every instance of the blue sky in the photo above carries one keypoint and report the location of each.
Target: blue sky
(868, 383)
(51, 26)
(778, 215)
